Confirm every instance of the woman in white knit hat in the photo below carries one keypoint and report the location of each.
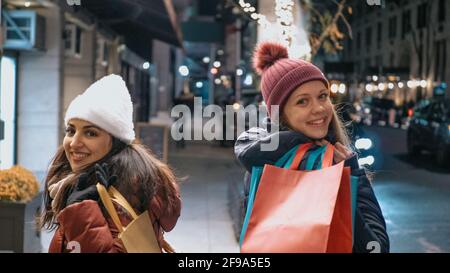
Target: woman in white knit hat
(99, 146)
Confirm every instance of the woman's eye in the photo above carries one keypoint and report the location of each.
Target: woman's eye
(70, 131)
(90, 133)
(323, 96)
(302, 101)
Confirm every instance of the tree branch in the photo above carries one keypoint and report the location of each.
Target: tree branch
(325, 33)
(349, 28)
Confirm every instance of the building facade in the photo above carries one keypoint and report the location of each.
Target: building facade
(400, 49)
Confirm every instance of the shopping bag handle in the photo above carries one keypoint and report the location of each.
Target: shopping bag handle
(118, 197)
(114, 194)
(299, 155)
(327, 158)
(106, 200)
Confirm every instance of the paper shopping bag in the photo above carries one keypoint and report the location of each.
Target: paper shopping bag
(138, 236)
(293, 210)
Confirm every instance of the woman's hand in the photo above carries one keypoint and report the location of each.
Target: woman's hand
(82, 191)
(85, 191)
(340, 151)
(104, 176)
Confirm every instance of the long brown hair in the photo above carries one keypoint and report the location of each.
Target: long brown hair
(140, 176)
(339, 129)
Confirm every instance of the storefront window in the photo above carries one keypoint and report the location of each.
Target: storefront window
(7, 111)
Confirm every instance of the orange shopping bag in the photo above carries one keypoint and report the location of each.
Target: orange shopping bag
(301, 211)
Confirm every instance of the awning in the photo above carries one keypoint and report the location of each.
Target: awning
(139, 21)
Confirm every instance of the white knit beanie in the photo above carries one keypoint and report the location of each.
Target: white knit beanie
(107, 104)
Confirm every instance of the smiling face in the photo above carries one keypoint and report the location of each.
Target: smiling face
(308, 110)
(85, 143)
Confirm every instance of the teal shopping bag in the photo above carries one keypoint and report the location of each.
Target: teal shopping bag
(354, 195)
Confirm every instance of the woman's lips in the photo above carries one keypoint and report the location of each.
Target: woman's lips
(317, 122)
(78, 156)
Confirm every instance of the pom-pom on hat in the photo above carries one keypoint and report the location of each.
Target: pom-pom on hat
(280, 75)
(107, 104)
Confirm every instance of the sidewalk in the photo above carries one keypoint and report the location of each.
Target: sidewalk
(205, 224)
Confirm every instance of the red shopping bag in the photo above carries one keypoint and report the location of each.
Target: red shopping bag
(340, 237)
(301, 211)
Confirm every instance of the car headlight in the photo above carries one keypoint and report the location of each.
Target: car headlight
(369, 160)
(363, 144)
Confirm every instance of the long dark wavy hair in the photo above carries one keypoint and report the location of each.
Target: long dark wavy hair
(140, 176)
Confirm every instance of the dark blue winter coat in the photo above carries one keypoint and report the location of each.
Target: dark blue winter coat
(370, 225)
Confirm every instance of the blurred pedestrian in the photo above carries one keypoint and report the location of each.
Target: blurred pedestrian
(392, 112)
(307, 115)
(99, 146)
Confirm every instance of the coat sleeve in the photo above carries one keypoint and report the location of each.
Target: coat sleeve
(248, 149)
(57, 243)
(85, 229)
(370, 226)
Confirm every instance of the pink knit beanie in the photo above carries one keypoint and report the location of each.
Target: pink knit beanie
(280, 76)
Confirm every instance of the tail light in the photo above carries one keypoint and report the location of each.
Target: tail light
(410, 112)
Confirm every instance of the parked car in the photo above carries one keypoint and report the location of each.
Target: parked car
(429, 129)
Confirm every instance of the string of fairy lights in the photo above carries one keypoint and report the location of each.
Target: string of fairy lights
(284, 24)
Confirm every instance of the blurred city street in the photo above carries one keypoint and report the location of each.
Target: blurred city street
(413, 193)
(385, 65)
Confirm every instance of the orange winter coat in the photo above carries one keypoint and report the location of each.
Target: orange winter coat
(84, 228)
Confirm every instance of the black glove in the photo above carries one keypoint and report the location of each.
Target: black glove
(84, 191)
(104, 176)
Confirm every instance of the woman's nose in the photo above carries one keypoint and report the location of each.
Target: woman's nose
(76, 141)
(318, 108)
